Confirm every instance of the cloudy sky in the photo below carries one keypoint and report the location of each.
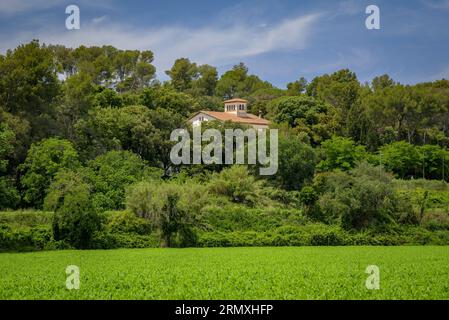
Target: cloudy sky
(279, 40)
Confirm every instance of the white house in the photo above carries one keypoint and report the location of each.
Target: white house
(235, 110)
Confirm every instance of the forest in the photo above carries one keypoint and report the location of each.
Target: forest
(85, 156)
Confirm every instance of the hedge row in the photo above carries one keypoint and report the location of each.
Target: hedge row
(40, 238)
(321, 235)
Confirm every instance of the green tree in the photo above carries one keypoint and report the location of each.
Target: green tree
(298, 87)
(207, 81)
(9, 196)
(182, 74)
(341, 153)
(236, 83)
(297, 162)
(170, 207)
(109, 175)
(75, 220)
(43, 161)
(169, 99)
(77, 99)
(382, 82)
(340, 89)
(316, 119)
(28, 85)
(402, 158)
(361, 198)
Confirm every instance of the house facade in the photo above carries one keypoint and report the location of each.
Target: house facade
(235, 110)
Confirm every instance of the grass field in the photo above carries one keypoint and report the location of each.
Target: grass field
(229, 273)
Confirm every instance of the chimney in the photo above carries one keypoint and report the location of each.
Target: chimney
(260, 114)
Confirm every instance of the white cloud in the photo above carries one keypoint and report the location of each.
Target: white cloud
(212, 44)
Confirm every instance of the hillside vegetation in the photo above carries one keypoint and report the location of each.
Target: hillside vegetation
(85, 145)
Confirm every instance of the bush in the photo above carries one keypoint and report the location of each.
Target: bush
(23, 219)
(25, 239)
(240, 218)
(75, 220)
(127, 222)
(108, 240)
(171, 208)
(237, 185)
(360, 199)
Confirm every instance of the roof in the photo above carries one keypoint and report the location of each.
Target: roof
(226, 116)
(236, 100)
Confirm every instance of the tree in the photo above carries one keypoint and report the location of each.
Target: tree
(361, 198)
(170, 207)
(165, 122)
(75, 220)
(340, 89)
(316, 119)
(341, 153)
(28, 85)
(76, 101)
(7, 137)
(18, 146)
(402, 158)
(433, 160)
(43, 161)
(382, 82)
(236, 83)
(167, 98)
(298, 87)
(297, 162)
(182, 74)
(207, 81)
(260, 101)
(109, 175)
(106, 129)
(9, 196)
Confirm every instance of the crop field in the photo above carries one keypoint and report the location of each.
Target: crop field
(229, 273)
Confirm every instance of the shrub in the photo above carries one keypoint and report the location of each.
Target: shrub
(170, 207)
(75, 219)
(362, 198)
(25, 239)
(127, 222)
(237, 185)
(108, 240)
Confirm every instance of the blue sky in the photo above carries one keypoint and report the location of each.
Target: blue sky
(279, 40)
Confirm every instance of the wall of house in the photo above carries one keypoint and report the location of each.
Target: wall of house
(196, 120)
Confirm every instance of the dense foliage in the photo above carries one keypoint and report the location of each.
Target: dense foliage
(85, 134)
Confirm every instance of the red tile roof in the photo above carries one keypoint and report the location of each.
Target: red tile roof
(227, 116)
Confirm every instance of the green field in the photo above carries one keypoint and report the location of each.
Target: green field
(229, 273)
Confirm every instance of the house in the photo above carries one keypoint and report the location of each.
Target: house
(235, 110)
